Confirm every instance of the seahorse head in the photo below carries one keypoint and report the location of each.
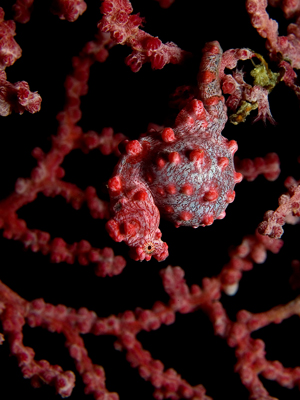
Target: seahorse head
(135, 221)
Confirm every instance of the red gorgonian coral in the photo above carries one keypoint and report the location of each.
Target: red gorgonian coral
(170, 101)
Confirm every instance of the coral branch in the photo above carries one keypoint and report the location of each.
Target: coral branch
(15, 312)
(46, 177)
(17, 97)
(288, 46)
(22, 10)
(10, 51)
(124, 29)
(13, 97)
(68, 9)
(65, 9)
(268, 166)
(289, 204)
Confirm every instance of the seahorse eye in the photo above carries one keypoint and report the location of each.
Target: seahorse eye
(149, 248)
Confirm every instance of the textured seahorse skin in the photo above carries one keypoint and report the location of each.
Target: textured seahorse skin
(185, 173)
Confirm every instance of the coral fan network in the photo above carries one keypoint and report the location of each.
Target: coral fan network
(131, 329)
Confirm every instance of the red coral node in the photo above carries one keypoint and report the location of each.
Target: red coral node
(121, 17)
(106, 7)
(153, 43)
(157, 61)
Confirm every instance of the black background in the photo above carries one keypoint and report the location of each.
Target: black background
(127, 102)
